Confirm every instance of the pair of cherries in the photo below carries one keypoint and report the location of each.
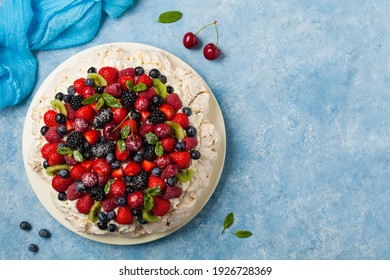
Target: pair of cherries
(211, 50)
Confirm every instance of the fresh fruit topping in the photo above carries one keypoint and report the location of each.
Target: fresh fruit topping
(101, 167)
(76, 172)
(181, 159)
(185, 175)
(145, 128)
(169, 171)
(127, 72)
(124, 80)
(161, 206)
(163, 161)
(172, 192)
(177, 129)
(168, 144)
(190, 40)
(141, 104)
(124, 216)
(134, 142)
(167, 110)
(149, 93)
(97, 79)
(55, 159)
(79, 85)
(149, 217)
(53, 170)
(89, 179)
(94, 211)
(132, 169)
(61, 184)
(115, 90)
(156, 182)
(135, 200)
(49, 118)
(190, 142)
(52, 135)
(118, 188)
(84, 204)
(102, 118)
(86, 113)
(48, 149)
(110, 74)
(195, 154)
(72, 193)
(181, 119)
(211, 51)
(144, 79)
(88, 91)
(92, 136)
(119, 114)
(174, 100)
(191, 131)
(148, 165)
(162, 130)
(109, 204)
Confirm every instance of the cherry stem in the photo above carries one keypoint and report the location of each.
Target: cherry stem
(214, 22)
(216, 30)
(128, 116)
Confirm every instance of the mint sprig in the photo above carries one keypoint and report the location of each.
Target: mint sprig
(71, 153)
(148, 197)
(229, 221)
(102, 99)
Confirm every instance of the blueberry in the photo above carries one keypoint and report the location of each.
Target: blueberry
(67, 98)
(59, 95)
(137, 158)
(60, 145)
(45, 164)
(135, 115)
(33, 248)
(136, 212)
(141, 220)
(87, 155)
(80, 187)
(24, 225)
(187, 111)
(172, 181)
(102, 140)
(44, 233)
(111, 215)
(102, 216)
(112, 227)
(63, 173)
(102, 225)
(44, 129)
(60, 118)
(100, 89)
(180, 146)
(89, 82)
(92, 70)
(154, 73)
(71, 90)
(156, 171)
(110, 158)
(121, 201)
(163, 79)
(153, 107)
(191, 131)
(61, 196)
(157, 100)
(170, 89)
(139, 70)
(61, 130)
(195, 154)
(116, 164)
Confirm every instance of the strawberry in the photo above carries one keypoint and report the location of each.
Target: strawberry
(132, 124)
(101, 167)
(190, 142)
(88, 91)
(155, 181)
(76, 172)
(110, 74)
(168, 144)
(55, 159)
(162, 130)
(145, 79)
(71, 112)
(141, 104)
(109, 204)
(92, 136)
(172, 192)
(161, 206)
(148, 165)
(163, 161)
(174, 100)
(145, 116)
(78, 85)
(69, 125)
(84, 204)
(127, 72)
(132, 169)
(52, 135)
(181, 159)
(122, 156)
(118, 173)
(149, 93)
(61, 184)
(114, 89)
(169, 171)
(119, 114)
(145, 128)
(135, 200)
(87, 165)
(48, 149)
(86, 113)
(124, 216)
(72, 193)
(118, 188)
(181, 119)
(168, 111)
(123, 81)
(48, 118)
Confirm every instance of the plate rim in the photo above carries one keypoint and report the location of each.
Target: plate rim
(206, 194)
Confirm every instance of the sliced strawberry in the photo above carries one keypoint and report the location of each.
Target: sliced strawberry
(124, 216)
(181, 119)
(55, 159)
(145, 116)
(181, 159)
(122, 156)
(161, 206)
(79, 85)
(155, 181)
(101, 167)
(148, 165)
(168, 111)
(135, 200)
(69, 125)
(61, 184)
(86, 113)
(87, 165)
(119, 114)
(92, 136)
(76, 172)
(84, 204)
(110, 74)
(132, 169)
(123, 81)
(145, 79)
(118, 173)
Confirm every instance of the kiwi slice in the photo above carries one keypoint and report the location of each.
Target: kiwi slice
(52, 170)
(185, 175)
(98, 79)
(149, 217)
(160, 88)
(177, 129)
(93, 213)
(57, 105)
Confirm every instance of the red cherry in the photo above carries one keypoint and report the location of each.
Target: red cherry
(190, 40)
(211, 51)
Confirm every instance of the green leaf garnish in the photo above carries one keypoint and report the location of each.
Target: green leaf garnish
(243, 234)
(78, 156)
(121, 145)
(148, 202)
(158, 149)
(100, 103)
(130, 85)
(64, 150)
(153, 191)
(151, 138)
(111, 101)
(229, 220)
(125, 131)
(90, 100)
(160, 88)
(107, 186)
(140, 87)
(170, 16)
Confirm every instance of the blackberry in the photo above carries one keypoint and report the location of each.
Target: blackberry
(157, 117)
(140, 181)
(101, 150)
(149, 153)
(97, 193)
(103, 117)
(128, 99)
(75, 140)
(75, 102)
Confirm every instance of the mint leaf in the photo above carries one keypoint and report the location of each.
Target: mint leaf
(151, 138)
(111, 101)
(107, 186)
(153, 191)
(140, 87)
(148, 202)
(64, 150)
(243, 234)
(121, 145)
(229, 220)
(91, 99)
(160, 88)
(100, 103)
(158, 149)
(170, 16)
(125, 131)
(130, 85)
(78, 156)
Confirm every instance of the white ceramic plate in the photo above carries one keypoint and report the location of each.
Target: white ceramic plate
(43, 193)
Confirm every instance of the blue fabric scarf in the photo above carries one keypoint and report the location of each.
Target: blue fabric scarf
(27, 25)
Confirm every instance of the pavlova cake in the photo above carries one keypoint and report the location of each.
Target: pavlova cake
(123, 140)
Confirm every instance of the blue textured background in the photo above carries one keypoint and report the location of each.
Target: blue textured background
(304, 89)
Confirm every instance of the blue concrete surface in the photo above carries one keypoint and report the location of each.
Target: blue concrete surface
(304, 87)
